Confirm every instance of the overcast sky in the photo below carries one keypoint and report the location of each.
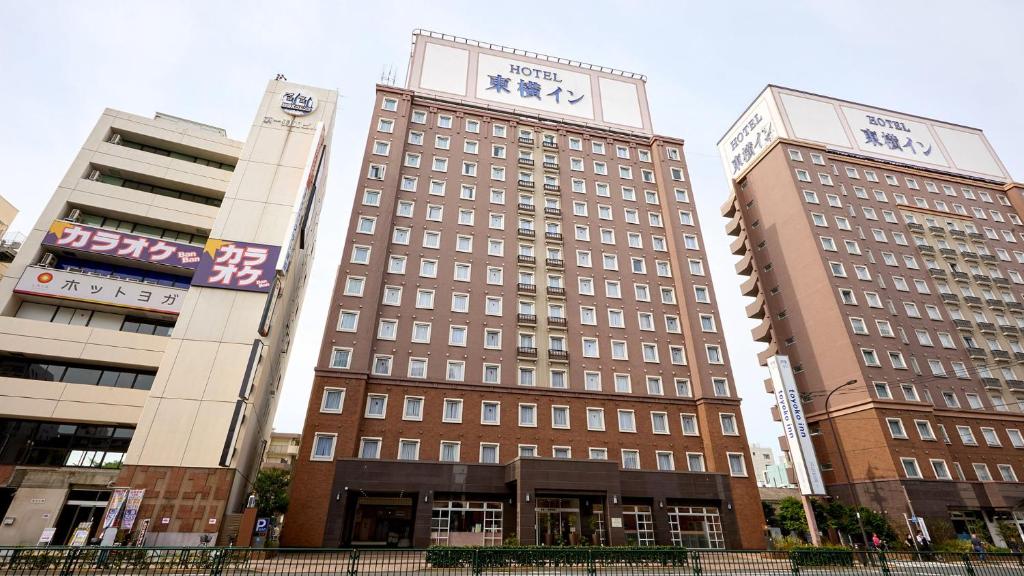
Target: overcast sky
(62, 63)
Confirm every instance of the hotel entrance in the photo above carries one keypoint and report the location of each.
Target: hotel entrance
(571, 521)
(383, 521)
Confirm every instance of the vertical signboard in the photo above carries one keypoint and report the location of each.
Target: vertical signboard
(237, 266)
(801, 449)
(117, 499)
(131, 508)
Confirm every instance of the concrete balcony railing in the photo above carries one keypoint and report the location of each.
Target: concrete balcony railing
(756, 308)
(751, 287)
(763, 331)
(735, 225)
(729, 208)
(746, 264)
(739, 246)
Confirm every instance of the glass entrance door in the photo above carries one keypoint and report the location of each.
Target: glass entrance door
(558, 521)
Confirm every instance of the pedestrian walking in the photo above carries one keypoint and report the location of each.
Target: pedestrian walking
(978, 546)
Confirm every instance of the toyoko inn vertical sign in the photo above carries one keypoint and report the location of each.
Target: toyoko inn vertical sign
(801, 448)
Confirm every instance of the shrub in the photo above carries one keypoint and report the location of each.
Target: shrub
(822, 556)
(554, 556)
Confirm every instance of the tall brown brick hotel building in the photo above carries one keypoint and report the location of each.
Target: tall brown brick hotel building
(885, 256)
(523, 340)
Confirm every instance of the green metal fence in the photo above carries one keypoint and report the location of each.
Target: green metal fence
(553, 561)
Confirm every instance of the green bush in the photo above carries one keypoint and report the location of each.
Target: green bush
(34, 560)
(822, 556)
(788, 543)
(554, 556)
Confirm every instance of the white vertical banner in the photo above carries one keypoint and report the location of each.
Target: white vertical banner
(801, 449)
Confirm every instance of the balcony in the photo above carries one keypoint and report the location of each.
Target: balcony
(972, 300)
(981, 278)
(525, 162)
(526, 288)
(730, 206)
(936, 273)
(963, 324)
(550, 166)
(550, 144)
(1000, 354)
(1015, 384)
(999, 280)
(968, 255)
(1018, 356)
(558, 355)
(549, 211)
(988, 257)
(926, 249)
(756, 308)
(557, 322)
(976, 353)
(525, 184)
(991, 383)
(739, 246)
(750, 287)
(987, 327)
(958, 233)
(961, 276)
(763, 331)
(948, 253)
(734, 226)
(527, 140)
(528, 260)
(994, 303)
(915, 227)
(1015, 306)
(526, 319)
(554, 236)
(526, 233)
(554, 263)
(526, 207)
(746, 265)
(556, 291)
(764, 355)
(951, 298)
(552, 188)
(972, 235)
(526, 352)
(937, 230)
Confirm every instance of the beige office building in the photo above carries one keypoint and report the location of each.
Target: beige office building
(146, 321)
(9, 242)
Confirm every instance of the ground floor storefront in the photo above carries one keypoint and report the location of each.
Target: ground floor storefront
(944, 510)
(537, 501)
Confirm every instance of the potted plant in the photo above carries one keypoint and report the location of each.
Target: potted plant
(574, 535)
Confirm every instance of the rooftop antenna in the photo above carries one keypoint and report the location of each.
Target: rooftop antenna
(280, 77)
(387, 75)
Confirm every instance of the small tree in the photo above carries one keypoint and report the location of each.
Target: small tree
(271, 488)
(790, 512)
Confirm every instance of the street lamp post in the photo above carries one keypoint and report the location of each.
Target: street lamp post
(842, 456)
